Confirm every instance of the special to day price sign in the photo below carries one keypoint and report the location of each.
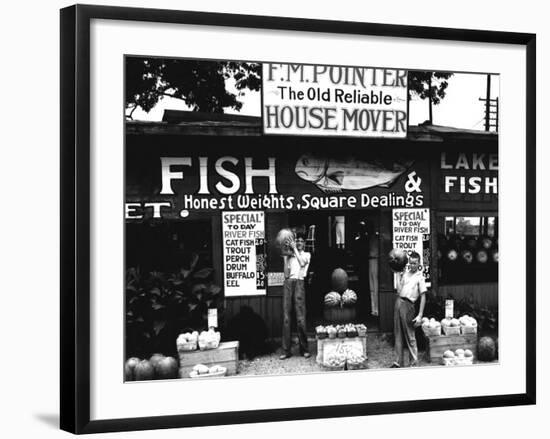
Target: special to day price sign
(411, 232)
(244, 253)
(331, 100)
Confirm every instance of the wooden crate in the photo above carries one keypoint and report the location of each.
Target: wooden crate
(226, 354)
(439, 344)
(322, 343)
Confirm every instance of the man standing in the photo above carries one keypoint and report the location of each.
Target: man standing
(410, 287)
(295, 270)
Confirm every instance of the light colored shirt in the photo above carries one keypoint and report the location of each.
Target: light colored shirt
(411, 285)
(294, 269)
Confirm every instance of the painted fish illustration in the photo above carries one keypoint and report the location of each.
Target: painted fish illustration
(336, 174)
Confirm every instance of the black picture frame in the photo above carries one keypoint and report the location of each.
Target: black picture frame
(75, 217)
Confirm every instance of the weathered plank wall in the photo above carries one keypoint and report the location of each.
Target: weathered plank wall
(484, 294)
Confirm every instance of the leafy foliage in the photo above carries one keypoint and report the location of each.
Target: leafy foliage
(200, 84)
(432, 85)
(160, 306)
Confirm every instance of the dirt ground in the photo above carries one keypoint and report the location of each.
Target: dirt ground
(379, 353)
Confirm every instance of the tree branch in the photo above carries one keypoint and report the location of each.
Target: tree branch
(129, 116)
(171, 95)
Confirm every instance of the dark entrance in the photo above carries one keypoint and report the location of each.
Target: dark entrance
(340, 239)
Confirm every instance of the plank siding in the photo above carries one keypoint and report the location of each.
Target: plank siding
(485, 294)
(386, 304)
(269, 308)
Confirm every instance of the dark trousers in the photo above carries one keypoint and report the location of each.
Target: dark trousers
(294, 294)
(404, 332)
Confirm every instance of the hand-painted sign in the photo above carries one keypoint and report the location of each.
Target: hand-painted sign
(411, 232)
(334, 100)
(179, 186)
(470, 178)
(244, 253)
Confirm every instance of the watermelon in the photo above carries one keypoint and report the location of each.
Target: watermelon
(339, 280)
(482, 256)
(452, 255)
(332, 299)
(398, 259)
(486, 349)
(281, 241)
(467, 256)
(486, 243)
(144, 371)
(349, 297)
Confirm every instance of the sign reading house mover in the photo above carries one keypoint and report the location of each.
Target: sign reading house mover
(244, 253)
(329, 100)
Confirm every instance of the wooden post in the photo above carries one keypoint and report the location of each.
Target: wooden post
(488, 104)
(430, 97)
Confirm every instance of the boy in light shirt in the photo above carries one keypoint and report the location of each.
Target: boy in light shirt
(294, 296)
(411, 286)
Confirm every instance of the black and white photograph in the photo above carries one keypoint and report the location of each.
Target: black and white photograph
(287, 219)
(269, 219)
(278, 219)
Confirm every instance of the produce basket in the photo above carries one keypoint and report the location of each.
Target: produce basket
(451, 330)
(321, 332)
(205, 345)
(468, 330)
(448, 361)
(462, 361)
(187, 346)
(431, 332)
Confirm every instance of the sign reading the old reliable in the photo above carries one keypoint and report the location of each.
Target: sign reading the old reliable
(244, 253)
(328, 100)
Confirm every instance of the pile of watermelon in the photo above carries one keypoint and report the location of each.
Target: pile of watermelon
(347, 298)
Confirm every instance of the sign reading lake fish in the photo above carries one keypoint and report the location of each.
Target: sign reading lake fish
(244, 253)
(334, 100)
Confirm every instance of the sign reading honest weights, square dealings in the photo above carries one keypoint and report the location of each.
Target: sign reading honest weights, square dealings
(334, 100)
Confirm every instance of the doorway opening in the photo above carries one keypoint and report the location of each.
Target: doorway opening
(346, 239)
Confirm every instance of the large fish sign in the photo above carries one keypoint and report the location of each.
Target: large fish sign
(336, 174)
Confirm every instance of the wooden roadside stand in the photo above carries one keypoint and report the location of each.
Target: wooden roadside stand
(335, 344)
(438, 344)
(450, 339)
